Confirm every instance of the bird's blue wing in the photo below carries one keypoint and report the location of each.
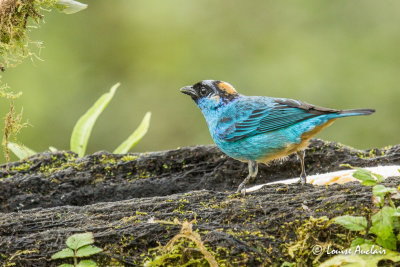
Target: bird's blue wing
(266, 116)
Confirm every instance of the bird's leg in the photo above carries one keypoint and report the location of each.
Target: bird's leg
(303, 178)
(253, 169)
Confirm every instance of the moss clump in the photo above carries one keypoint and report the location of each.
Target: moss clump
(10, 261)
(12, 126)
(23, 167)
(107, 160)
(188, 251)
(14, 17)
(311, 233)
(128, 158)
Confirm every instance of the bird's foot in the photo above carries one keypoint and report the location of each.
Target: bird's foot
(243, 192)
(302, 180)
(241, 188)
(253, 169)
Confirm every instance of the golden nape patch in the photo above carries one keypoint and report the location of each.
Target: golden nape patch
(227, 88)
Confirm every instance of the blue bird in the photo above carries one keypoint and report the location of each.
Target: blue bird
(259, 129)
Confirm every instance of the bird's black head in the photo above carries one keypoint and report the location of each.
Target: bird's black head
(211, 89)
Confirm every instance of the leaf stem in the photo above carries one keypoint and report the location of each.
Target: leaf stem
(390, 201)
(75, 259)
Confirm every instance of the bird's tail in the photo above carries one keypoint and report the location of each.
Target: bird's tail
(356, 112)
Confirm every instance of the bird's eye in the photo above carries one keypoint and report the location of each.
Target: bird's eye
(203, 91)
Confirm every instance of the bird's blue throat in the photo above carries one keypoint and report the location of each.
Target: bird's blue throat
(211, 108)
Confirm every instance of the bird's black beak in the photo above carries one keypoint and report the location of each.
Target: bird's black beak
(188, 90)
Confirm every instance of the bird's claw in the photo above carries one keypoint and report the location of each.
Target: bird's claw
(241, 189)
(243, 192)
(302, 180)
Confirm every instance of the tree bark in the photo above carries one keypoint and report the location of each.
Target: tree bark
(135, 203)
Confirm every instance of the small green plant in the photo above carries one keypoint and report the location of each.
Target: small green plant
(83, 128)
(78, 246)
(380, 232)
(70, 6)
(20, 151)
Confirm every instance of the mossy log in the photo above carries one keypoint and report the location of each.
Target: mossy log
(134, 204)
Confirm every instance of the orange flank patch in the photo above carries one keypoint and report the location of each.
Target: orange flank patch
(227, 88)
(306, 136)
(292, 148)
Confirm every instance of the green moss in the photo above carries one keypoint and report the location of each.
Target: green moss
(69, 156)
(373, 153)
(48, 165)
(99, 178)
(107, 160)
(309, 233)
(181, 207)
(10, 261)
(23, 167)
(182, 253)
(184, 249)
(128, 158)
(144, 175)
(61, 164)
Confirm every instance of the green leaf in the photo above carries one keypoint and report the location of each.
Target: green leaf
(65, 253)
(379, 177)
(79, 240)
(362, 259)
(20, 151)
(86, 263)
(53, 149)
(81, 133)
(369, 183)
(395, 222)
(346, 165)
(287, 264)
(381, 190)
(395, 195)
(135, 137)
(70, 6)
(352, 223)
(88, 251)
(382, 227)
(66, 265)
(360, 241)
(365, 176)
(389, 242)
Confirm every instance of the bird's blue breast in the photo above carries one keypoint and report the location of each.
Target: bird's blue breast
(241, 132)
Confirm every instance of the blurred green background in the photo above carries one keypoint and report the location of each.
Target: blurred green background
(339, 54)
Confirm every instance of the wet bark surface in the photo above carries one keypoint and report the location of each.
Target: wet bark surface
(135, 203)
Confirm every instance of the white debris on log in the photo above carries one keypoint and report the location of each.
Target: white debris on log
(338, 177)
